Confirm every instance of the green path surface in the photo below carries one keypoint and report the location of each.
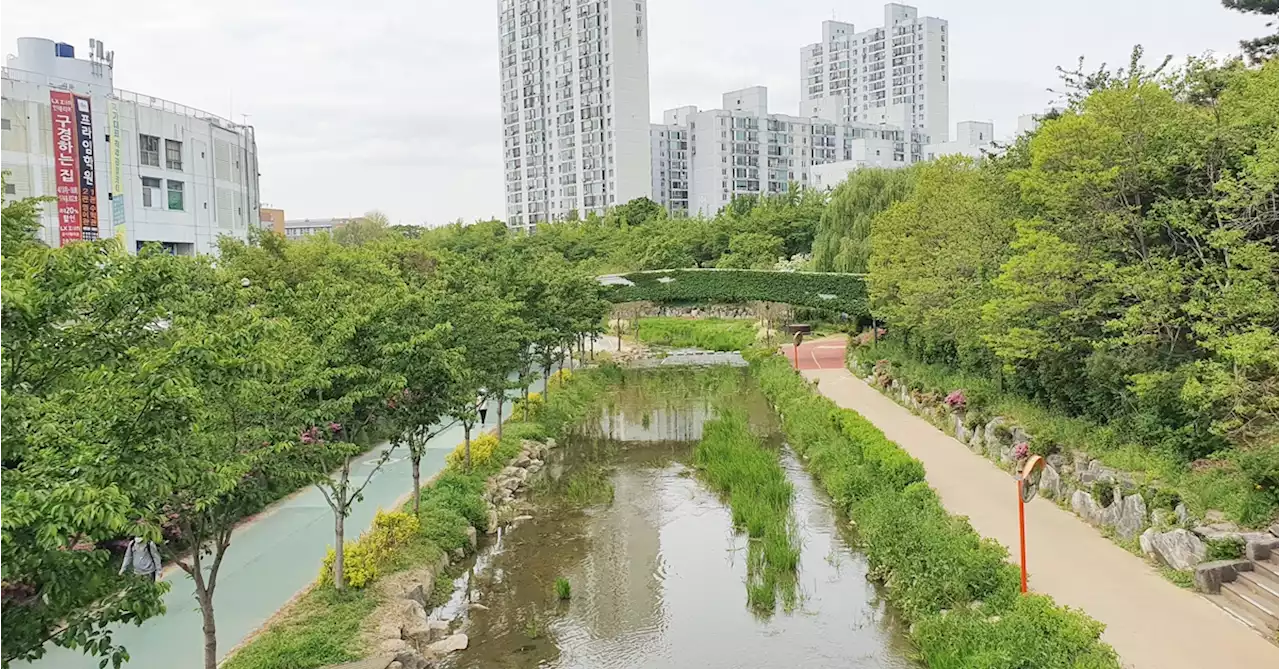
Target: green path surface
(269, 560)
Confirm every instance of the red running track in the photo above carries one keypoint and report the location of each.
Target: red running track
(825, 353)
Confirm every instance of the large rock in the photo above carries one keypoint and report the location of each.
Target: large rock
(1133, 517)
(1145, 542)
(1085, 506)
(419, 634)
(1260, 549)
(1209, 576)
(492, 527)
(1178, 548)
(522, 460)
(997, 439)
(449, 644)
(1051, 483)
(1181, 513)
(471, 537)
(957, 428)
(408, 609)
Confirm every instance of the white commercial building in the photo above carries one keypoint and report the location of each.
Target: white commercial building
(575, 106)
(703, 159)
(121, 164)
(895, 74)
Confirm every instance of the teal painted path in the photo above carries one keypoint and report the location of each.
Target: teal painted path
(271, 558)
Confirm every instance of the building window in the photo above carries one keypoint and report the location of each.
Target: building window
(175, 195)
(10, 189)
(150, 192)
(173, 155)
(149, 150)
(4, 124)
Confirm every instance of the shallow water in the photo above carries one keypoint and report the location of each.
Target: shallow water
(658, 575)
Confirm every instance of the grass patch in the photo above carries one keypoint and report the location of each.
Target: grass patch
(736, 464)
(957, 590)
(563, 590)
(322, 628)
(712, 334)
(589, 486)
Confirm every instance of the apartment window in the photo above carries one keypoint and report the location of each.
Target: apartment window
(173, 155)
(150, 192)
(175, 195)
(149, 150)
(4, 124)
(10, 189)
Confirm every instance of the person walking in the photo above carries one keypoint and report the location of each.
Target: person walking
(142, 557)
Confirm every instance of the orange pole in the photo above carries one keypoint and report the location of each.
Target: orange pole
(796, 354)
(1022, 535)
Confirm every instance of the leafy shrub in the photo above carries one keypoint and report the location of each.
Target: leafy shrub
(363, 558)
(1224, 549)
(1104, 492)
(459, 492)
(956, 400)
(527, 410)
(1032, 633)
(482, 448)
(928, 560)
(444, 527)
(559, 378)
(833, 291)
(563, 590)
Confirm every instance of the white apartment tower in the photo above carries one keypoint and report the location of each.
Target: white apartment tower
(895, 74)
(575, 106)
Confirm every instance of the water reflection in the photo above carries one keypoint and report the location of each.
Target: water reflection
(658, 575)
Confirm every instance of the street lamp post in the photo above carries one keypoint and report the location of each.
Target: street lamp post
(1028, 484)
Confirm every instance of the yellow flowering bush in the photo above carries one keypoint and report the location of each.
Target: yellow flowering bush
(363, 558)
(526, 410)
(482, 448)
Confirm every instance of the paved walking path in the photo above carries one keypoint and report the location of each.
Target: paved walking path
(1151, 623)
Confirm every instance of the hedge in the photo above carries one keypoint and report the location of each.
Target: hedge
(957, 590)
(822, 290)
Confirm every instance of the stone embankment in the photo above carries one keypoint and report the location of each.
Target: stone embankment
(406, 634)
(1120, 503)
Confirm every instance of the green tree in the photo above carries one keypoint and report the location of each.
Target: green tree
(72, 318)
(751, 250)
(1259, 48)
(373, 226)
(21, 222)
(843, 239)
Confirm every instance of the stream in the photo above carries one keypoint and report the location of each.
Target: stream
(658, 575)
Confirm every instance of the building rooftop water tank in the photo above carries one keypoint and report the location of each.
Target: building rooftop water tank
(64, 50)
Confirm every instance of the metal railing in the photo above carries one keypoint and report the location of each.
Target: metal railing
(16, 74)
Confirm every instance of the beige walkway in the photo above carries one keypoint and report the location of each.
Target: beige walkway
(1152, 623)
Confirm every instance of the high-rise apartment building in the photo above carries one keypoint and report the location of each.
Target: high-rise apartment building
(895, 74)
(575, 106)
(702, 159)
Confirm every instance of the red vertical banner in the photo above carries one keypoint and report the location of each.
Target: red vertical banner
(66, 166)
(85, 161)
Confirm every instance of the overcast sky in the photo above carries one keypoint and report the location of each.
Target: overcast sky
(393, 104)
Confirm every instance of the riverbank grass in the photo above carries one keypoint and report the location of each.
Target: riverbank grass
(737, 465)
(712, 334)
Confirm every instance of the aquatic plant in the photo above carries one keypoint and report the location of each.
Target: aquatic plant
(563, 591)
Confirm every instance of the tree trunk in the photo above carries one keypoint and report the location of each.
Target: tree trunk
(546, 380)
(339, 521)
(466, 436)
(415, 459)
(210, 628)
(500, 401)
(593, 347)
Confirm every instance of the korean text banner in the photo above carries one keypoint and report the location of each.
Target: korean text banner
(66, 166)
(88, 175)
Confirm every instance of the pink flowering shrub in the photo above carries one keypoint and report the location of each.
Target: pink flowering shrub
(1020, 450)
(955, 400)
